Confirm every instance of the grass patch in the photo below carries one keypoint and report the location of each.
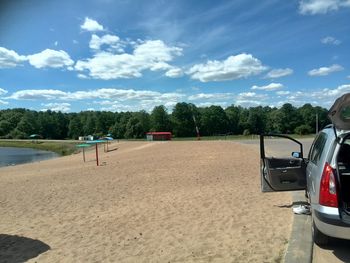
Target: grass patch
(60, 147)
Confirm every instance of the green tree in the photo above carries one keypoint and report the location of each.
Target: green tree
(27, 125)
(233, 114)
(256, 120)
(74, 128)
(182, 119)
(137, 125)
(213, 120)
(160, 120)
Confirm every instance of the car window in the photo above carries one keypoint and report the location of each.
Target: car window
(317, 149)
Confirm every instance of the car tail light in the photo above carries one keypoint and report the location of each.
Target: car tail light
(328, 187)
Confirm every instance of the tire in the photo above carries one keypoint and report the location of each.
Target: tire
(318, 237)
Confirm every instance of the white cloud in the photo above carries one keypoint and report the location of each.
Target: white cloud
(152, 55)
(314, 7)
(82, 76)
(283, 92)
(330, 41)
(269, 87)
(331, 93)
(211, 96)
(322, 97)
(9, 58)
(278, 73)
(324, 71)
(107, 93)
(91, 25)
(234, 67)
(113, 42)
(63, 107)
(247, 95)
(50, 58)
(2, 102)
(2, 91)
(174, 73)
(43, 94)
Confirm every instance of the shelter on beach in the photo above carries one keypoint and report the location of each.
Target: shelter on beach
(158, 136)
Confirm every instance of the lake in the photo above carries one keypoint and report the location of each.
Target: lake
(14, 155)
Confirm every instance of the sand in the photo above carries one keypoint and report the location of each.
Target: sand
(148, 202)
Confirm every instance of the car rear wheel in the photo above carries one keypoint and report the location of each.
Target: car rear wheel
(318, 237)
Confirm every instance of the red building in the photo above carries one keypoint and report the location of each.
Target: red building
(158, 136)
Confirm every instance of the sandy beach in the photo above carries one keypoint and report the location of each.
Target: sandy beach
(147, 202)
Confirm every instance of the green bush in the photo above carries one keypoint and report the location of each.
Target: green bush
(303, 129)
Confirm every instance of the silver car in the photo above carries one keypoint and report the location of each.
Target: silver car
(324, 174)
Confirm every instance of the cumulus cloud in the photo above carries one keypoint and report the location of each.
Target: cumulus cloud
(324, 71)
(42, 94)
(330, 41)
(314, 7)
(106, 93)
(152, 55)
(63, 107)
(278, 73)
(234, 67)
(323, 97)
(283, 92)
(269, 87)
(91, 25)
(3, 102)
(9, 58)
(50, 58)
(174, 73)
(2, 91)
(211, 96)
(113, 42)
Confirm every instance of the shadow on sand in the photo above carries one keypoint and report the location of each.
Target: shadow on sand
(20, 249)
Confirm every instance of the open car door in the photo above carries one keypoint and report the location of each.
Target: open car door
(282, 174)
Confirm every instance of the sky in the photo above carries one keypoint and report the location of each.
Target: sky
(130, 55)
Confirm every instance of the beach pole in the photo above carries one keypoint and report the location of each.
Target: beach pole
(96, 154)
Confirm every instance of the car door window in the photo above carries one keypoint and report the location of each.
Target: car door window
(317, 149)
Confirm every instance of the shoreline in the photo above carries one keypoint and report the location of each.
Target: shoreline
(61, 147)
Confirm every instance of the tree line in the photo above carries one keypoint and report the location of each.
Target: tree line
(182, 121)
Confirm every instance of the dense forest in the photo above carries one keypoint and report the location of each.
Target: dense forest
(213, 120)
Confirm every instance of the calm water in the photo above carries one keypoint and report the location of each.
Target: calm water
(13, 155)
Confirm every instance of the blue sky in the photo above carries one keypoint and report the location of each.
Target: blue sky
(132, 55)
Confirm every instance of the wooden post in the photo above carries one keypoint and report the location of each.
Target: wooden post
(96, 154)
(84, 154)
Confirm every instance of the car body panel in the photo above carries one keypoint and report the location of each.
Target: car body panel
(282, 174)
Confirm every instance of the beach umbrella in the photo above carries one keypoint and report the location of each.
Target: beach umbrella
(83, 146)
(96, 142)
(34, 136)
(107, 139)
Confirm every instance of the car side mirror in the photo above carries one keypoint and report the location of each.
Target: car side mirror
(296, 154)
